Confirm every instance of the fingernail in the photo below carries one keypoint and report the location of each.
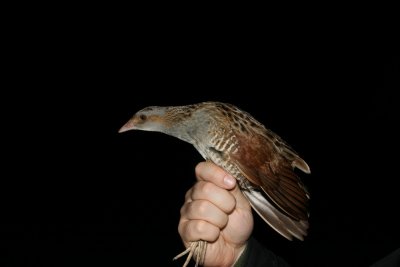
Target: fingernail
(229, 180)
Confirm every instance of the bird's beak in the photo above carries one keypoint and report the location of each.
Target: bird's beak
(127, 126)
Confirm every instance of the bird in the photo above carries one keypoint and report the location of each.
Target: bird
(261, 161)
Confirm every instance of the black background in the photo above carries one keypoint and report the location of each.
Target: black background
(77, 193)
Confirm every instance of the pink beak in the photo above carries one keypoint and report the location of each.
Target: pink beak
(127, 126)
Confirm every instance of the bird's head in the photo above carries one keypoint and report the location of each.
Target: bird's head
(147, 119)
(158, 119)
(171, 120)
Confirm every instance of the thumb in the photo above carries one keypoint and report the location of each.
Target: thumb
(208, 171)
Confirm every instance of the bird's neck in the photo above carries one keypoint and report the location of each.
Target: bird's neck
(181, 131)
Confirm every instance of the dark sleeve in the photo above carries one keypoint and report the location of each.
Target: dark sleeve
(256, 255)
(391, 260)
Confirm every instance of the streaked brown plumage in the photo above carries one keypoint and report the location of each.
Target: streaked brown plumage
(260, 160)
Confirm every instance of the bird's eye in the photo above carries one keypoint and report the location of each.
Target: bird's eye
(143, 117)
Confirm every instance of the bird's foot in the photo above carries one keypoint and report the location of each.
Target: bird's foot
(196, 249)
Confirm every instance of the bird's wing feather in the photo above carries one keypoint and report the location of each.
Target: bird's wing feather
(286, 150)
(266, 169)
(278, 221)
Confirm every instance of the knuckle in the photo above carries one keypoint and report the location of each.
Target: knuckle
(197, 186)
(231, 204)
(200, 227)
(181, 227)
(199, 168)
(183, 210)
(188, 194)
(207, 188)
(185, 233)
(202, 208)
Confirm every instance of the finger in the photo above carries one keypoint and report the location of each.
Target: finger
(206, 211)
(188, 195)
(195, 230)
(218, 196)
(210, 172)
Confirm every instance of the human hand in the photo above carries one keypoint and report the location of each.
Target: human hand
(216, 211)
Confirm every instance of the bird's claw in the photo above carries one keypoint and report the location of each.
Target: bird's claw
(197, 249)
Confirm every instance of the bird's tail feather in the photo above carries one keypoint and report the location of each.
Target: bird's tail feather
(281, 223)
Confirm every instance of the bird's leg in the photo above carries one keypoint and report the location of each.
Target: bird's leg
(198, 249)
